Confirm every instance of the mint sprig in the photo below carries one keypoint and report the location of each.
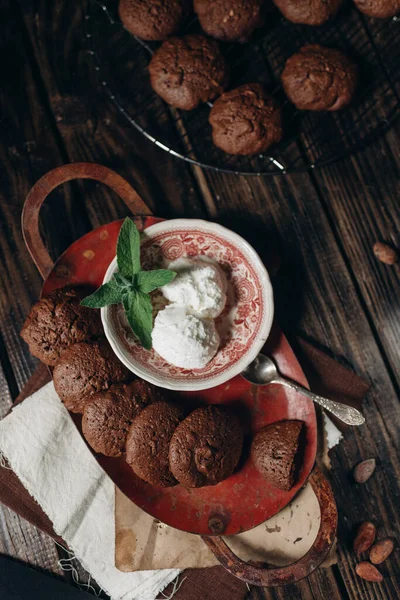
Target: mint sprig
(128, 249)
(139, 312)
(131, 286)
(147, 281)
(108, 293)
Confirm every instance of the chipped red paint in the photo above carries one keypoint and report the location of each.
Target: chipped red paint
(261, 576)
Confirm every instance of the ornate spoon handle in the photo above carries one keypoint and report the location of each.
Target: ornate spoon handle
(345, 413)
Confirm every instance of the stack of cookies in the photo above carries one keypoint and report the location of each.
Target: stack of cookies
(127, 417)
(122, 416)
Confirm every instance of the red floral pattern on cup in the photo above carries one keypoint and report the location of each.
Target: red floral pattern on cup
(241, 319)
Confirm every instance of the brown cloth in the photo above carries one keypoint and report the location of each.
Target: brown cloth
(329, 378)
(325, 376)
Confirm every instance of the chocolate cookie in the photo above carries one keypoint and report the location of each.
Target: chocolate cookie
(379, 9)
(108, 415)
(230, 20)
(275, 452)
(318, 78)
(153, 19)
(308, 12)
(205, 447)
(148, 441)
(245, 120)
(58, 321)
(188, 71)
(84, 369)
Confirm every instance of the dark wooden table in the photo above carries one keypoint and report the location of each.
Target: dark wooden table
(330, 288)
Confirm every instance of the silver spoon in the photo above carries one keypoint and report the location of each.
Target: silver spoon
(263, 371)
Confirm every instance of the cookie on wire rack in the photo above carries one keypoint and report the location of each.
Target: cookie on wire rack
(318, 78)
(188, 71)
(230, 20)
(246, 120)
(153, 20)
(379, 9)
(308, 12)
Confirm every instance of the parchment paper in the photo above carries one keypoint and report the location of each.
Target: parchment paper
(144, 543)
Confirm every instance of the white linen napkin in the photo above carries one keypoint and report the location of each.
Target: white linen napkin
(47, 453)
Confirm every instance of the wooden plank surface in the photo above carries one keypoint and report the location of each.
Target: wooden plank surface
(315, 295)
(28, 149)
(91, 129)
(329, 287)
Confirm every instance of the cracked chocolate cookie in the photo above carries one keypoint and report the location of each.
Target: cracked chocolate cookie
(230, 20)
(318, 78)
(245, 120)
(308, 12)
(148, 442)
(206, 447)
(188, 71)
(153, 19)
(108, 415)
(58, 321)
(275, 452)
(379, 9)
(84, 369)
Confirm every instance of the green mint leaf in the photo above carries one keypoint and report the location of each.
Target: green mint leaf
(108, 293)
(123, 282)
(139, 313)
(128, 249)
(147, 281)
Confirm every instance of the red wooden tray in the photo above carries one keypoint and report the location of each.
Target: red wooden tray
(245, 499)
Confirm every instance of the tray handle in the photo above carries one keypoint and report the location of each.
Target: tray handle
(298, 570)
(54, 178)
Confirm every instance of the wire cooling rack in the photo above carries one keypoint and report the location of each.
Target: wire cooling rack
(311, 139)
